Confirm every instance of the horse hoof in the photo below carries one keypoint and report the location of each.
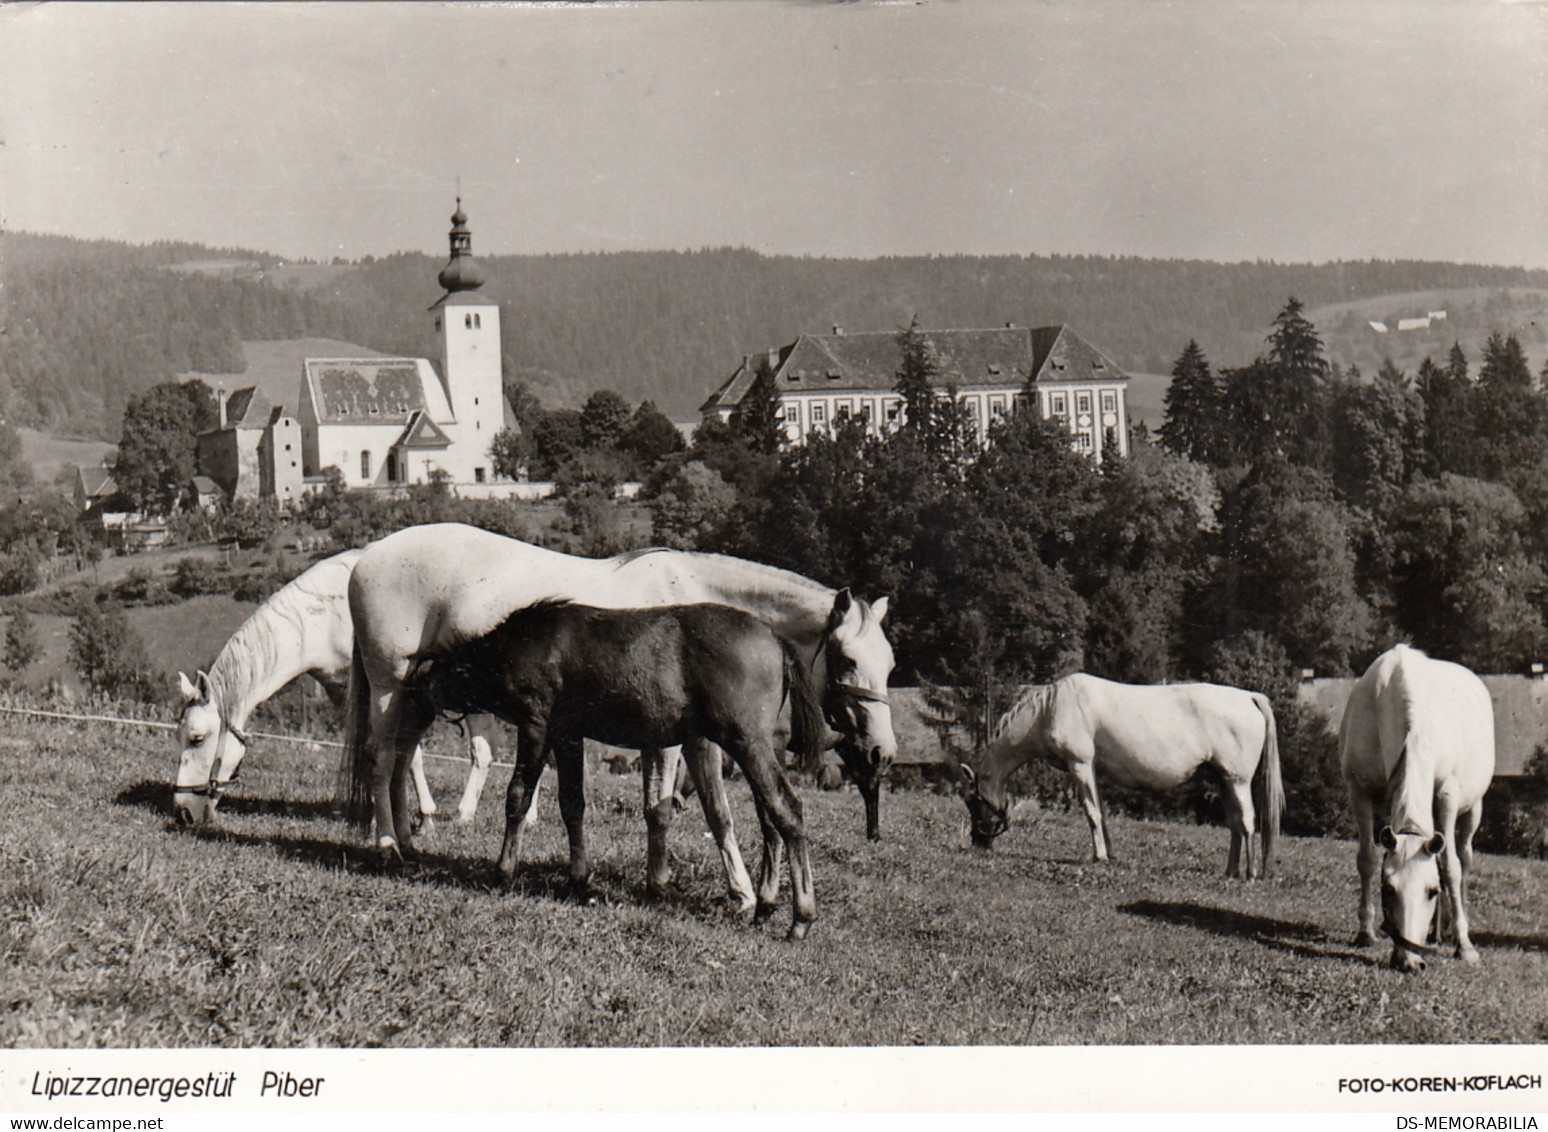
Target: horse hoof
(1364, 939)
(762, 912)
(873, 835)
(1468, 954)
(798, 930)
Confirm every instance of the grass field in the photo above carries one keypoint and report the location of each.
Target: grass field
(276, 930)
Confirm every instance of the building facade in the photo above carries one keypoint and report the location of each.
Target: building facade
(823, 378)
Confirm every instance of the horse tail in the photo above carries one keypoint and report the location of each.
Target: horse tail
(1273, 784)
(807, 728)
(355, 765)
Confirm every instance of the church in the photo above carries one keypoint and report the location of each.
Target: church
(302, 407)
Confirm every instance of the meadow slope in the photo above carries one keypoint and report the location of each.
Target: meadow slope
(276, 930)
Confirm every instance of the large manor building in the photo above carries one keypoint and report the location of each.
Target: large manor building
(301, 407)
(822, 378)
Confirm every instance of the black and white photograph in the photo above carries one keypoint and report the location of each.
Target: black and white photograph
(827, 556)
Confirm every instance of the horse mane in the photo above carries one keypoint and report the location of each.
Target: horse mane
(1034, 697)
(740, 566)
(807, 727)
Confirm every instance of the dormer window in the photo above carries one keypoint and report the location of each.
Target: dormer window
(835, 375)
(994, 367)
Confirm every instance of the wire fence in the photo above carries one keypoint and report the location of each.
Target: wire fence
(162, 725)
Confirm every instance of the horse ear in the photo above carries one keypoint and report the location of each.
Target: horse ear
(1436, 843)
(1386, 838)
(186, 686)
(879, 609)
(842, 602)
(968, 776)
(206, 693)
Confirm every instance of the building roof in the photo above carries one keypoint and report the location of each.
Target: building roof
(870, 361)
(374, 390)
(206, 486)
(273, 372)
(422, 432)
(96, 483)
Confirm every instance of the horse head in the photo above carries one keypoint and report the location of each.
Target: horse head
(1410, 883)
(212, 752)
(855, 701)
(988, 808)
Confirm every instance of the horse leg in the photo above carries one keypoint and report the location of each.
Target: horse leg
(703, 760)
(870, 793)
(427, 810)
(381, 738)
(413, 721)
(570, 763)
(658, 785)
(531, 746)
(481, 756)
(779, 805)
(1084, 774)
(1368, 859)
(1455, 861)
(1239, 815)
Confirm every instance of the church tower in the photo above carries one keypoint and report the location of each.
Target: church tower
(467, 325)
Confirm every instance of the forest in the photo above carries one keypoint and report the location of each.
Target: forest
(90, 324)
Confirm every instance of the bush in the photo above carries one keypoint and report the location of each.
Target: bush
(196, 576)
(20, 572)
(109, 656)
(144, 587)
(22, 646)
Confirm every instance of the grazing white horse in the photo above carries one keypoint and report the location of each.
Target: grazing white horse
(1417, 746)
(303, 628)
(424, 591)
(1152, 737)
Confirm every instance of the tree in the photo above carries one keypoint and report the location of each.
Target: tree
(1504, 363)
(760, 417)
(22, 646)
(508, 453)
(1275, 404)
(108, 655)
(1464, 587)
(1193, 408)
(938, 424)
(157, 451)
(1377, 434)
(556, 436)
(603, 419)
(693, 510)
(650, 438)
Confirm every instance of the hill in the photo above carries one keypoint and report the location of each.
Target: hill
(90, 323)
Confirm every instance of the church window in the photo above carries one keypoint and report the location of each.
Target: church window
(467, 321)
(478, 475)
(438, 324)
(365, 465)
(478, 322)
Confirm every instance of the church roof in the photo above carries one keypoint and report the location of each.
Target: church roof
(869, 362)
(376, 390)
(273, 372)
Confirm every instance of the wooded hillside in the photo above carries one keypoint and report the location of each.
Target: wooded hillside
(89, 323)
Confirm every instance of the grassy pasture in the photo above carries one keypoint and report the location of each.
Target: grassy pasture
(120, 930)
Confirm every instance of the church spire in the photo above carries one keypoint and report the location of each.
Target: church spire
(461, 272)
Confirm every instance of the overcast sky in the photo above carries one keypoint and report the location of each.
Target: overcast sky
(1215, 129)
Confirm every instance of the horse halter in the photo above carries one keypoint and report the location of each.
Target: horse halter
(215, 787)
(1389, 926)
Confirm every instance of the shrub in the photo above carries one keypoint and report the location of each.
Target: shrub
(144, 587)
(22, 646)
(195, 576)
(20, 572)
(109, 656)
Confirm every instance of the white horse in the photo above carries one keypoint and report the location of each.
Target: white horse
(1417, 744)
(302, 628)
(424, 591)
(1152, 737)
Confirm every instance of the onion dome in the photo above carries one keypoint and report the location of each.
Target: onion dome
(461, 272)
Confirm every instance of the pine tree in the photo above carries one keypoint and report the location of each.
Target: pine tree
(1504, 363)
(1193, 407)
(759, 418)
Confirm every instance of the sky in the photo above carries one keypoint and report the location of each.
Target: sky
(1212, 129)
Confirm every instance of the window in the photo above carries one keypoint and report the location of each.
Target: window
(1083, 440)
(467, 321)
(437, 324)
(478, 475)
(1109, 401)
(365, 465)
(1110, 439)
(865, 411)
(1058, 407)
(819, 414)
(287, 448)
(392, 467)
(793, 414)
(892, 407)
(1083, 402)
(478, 322)
(997, 408)
(842, 410)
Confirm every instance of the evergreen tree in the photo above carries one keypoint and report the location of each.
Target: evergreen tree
(760, 417)
(1193, 407)
(1504, 363)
